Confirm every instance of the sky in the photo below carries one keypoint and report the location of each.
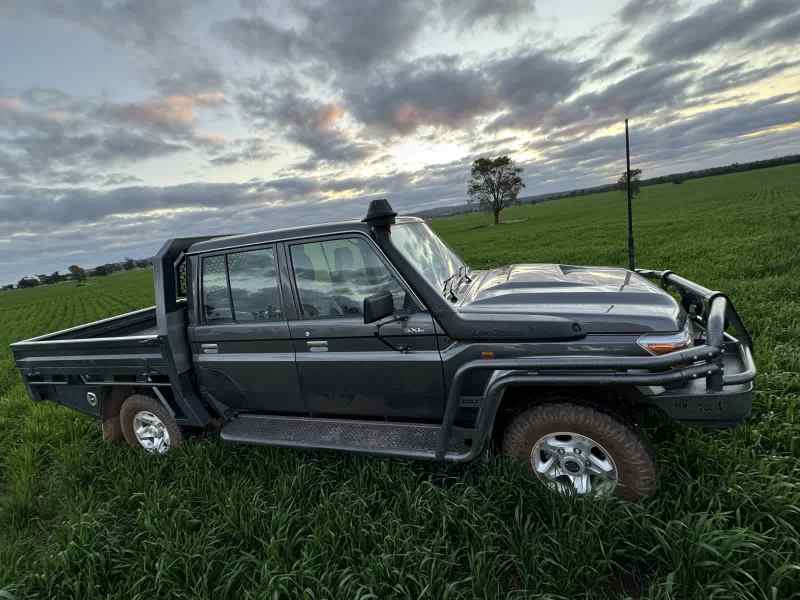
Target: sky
(124, 123)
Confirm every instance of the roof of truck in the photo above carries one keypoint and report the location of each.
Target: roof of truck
(287, 233)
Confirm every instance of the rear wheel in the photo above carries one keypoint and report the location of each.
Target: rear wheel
(147, 424)
(576, 449)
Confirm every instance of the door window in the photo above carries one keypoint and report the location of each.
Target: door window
(216, 298)
(334, 276)
(241, 287)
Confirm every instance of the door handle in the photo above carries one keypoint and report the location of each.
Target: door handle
(317, 345)
(209, 348)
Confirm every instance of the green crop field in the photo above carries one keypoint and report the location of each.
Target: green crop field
(83, 519)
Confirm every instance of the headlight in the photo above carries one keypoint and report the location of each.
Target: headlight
(666, 343)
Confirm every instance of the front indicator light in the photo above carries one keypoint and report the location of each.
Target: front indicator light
(666, 343)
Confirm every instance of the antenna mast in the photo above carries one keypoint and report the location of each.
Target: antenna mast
(631, 251)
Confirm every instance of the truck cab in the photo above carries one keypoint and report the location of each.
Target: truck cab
(373, 336)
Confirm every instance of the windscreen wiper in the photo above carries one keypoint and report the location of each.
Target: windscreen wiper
(451, 282)
(447, 288)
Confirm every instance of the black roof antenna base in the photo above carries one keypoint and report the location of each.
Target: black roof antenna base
(380, 214)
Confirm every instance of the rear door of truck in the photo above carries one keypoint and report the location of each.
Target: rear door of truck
(241, 348)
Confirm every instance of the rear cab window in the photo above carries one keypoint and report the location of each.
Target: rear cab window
(241, 287)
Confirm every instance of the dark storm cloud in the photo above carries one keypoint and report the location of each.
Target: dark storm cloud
(637, 11)
(531, 83)
(349, 34)
(435, 91)
(501, 14)
(737, 75)
(142, 24)
(358, 33)
(643, 92)
(256, 37)
(725, 22)
(442, 92)
(784, 31)
(306, 122)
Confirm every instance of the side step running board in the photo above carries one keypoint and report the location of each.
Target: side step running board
(408, 440)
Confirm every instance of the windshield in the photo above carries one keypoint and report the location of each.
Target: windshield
(426, 251)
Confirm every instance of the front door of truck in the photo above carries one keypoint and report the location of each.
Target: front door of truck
(345, 370)
(241, 345)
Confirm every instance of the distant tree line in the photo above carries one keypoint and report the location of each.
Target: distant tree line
(78, 274)
(674, 178)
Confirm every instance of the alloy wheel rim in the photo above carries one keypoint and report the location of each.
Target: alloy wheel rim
(574, 464)
(151, 432)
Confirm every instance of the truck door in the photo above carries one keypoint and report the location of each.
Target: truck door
(345, 370)
(241, 345)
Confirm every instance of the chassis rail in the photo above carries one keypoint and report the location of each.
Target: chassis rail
(711, 310)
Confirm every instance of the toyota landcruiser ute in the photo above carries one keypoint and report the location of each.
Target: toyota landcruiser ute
(373, 336)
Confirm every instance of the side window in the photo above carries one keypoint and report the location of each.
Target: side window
(254, 286)
(333, 278)
(253, 293)
(216, 300)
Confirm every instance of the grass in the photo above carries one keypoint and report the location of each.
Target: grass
(83, 519)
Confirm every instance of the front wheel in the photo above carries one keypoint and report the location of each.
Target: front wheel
(148, 425)
(578, 450)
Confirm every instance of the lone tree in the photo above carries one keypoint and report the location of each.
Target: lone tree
(78, 273)
(494, 184)
(636, 185)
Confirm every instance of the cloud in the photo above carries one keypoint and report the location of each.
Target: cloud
(248, 150)
(660, 146)
(355, 34)
(173, 114)
(309, 123)
(194, 80)
(256, 37)
(142, 24)
(119, 179)
(47, 135)
(614, 68)
(348, 35)
(499, 14)
(643, 92)
(722, 23)
(638, 11)
(532, 82)
(737, 75)
(434, 91)
(785, 31)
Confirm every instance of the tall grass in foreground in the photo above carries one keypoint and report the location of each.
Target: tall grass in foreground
(82, 519)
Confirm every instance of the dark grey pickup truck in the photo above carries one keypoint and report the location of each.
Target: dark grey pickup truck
(375, 337)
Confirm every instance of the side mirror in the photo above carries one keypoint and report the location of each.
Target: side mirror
(378, 307)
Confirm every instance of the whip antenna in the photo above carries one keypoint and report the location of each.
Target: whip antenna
(631, 251)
